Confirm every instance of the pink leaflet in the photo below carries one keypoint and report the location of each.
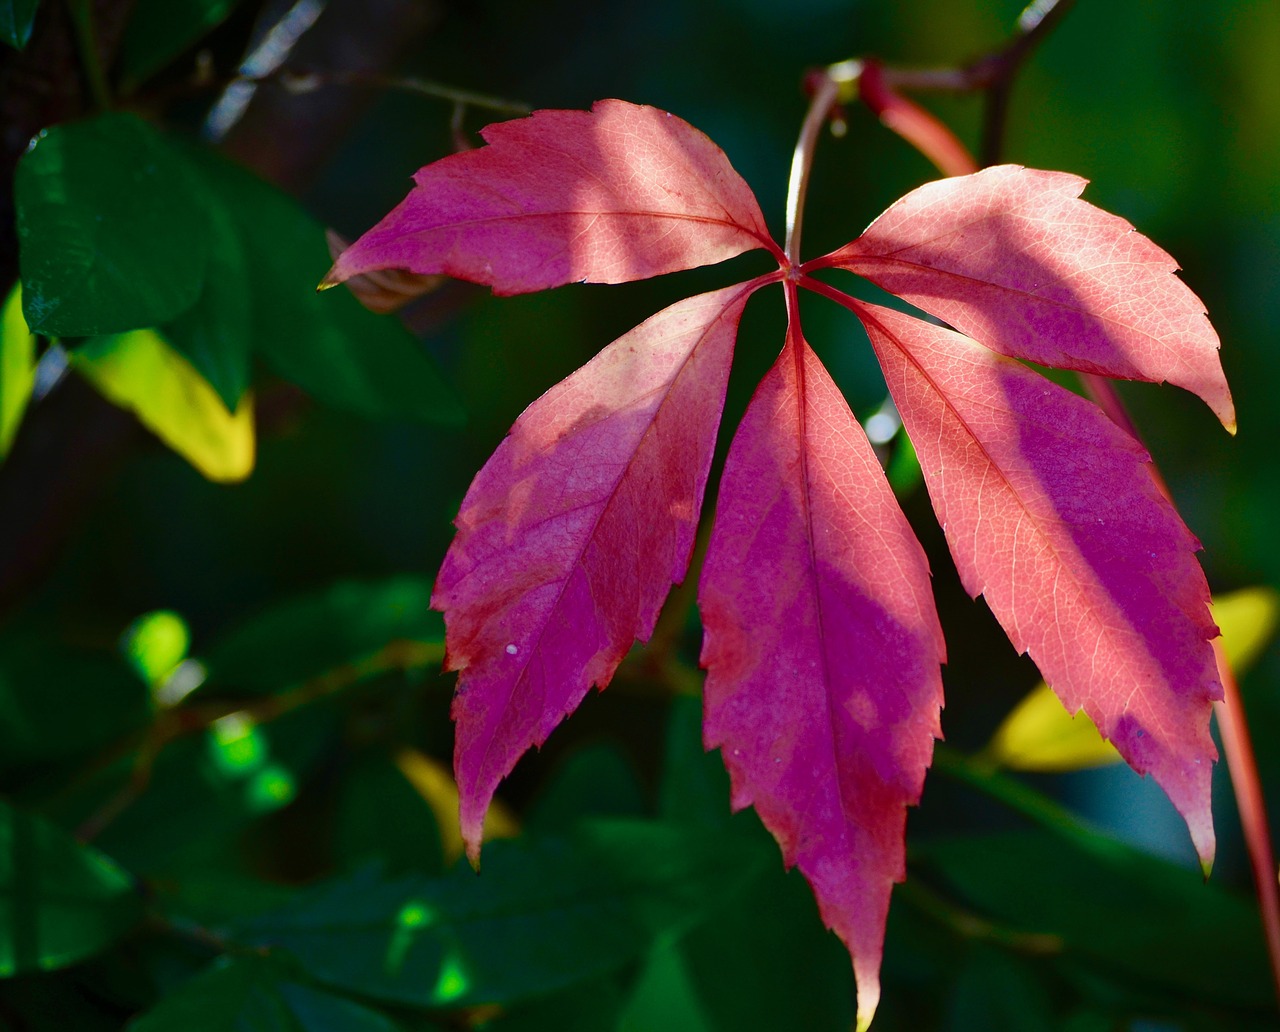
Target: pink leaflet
(1051, 514)
(1011, 257)
(573, 532)
(822, 649)
(622, 192)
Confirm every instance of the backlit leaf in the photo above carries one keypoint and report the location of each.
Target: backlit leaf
(17, 368)
(822, 648)
(821, 643)
(1013, 258)
(1041, 735)
(1052, 515)
(611, 462)
(140, 372)
(620, 193)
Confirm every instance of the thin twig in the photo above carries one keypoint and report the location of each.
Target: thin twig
(993, 74)
(305, 80)
(969, 925)
(297, 81)
(1036, 22)
(198, 717)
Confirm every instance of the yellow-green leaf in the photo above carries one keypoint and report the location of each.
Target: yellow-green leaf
(155, 643)
(1040, 735)
(436, 786)
(141, 372)
(17, 368)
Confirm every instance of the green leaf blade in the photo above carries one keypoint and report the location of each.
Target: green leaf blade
(60, 902)
(160, 30)
(329, 345)
(110, 240)
(16, 19)
(603, 897)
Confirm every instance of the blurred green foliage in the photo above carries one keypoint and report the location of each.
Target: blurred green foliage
(207, 692)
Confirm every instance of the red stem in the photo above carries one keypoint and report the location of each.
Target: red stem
(918, 127)
(1236, 743)
(1233, 726)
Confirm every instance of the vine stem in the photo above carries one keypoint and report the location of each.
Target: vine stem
(825, 91)
(300, 81)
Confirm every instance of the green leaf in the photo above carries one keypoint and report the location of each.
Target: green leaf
(349, 624)
(329, 345)
(59, 901)
(996, 989)
(203, 788)
(139, 371)
(601, 897)
(695, 786)
(58, 702)
(155, 643)
(16, 19)
(801, 977)
(160, 30)
(213, 897)
(216, 333)
(583, 1007)
(234, 995)
(596, 781)
(110, 239)
(665, 996)
(1111, 905)
(17, 368)
(250, 994)
(318, 1011)
(382, 818)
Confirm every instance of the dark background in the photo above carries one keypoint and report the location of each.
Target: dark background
(1171, 110)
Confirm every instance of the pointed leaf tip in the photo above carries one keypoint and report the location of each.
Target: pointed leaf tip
(822, 649)
(1051, 514)
(1014, 258)
(572, 534)
(866, 1013)
(615, 194)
